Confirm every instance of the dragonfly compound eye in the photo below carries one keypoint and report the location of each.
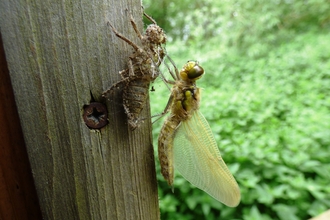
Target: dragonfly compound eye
(191, 71)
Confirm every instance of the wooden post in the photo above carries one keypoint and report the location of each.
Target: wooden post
(62, 55)
(18, 197)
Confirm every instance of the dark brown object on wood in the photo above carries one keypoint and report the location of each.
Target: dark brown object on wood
(95, 115)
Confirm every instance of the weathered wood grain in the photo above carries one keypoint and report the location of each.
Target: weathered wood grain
(59, 53)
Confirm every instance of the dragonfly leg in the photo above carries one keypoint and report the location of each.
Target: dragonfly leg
(135, 27)
(177, 75)
(124, 73)
(117, 85)
(136, 47)
(130, 68)
(165, 111)
(149, 18)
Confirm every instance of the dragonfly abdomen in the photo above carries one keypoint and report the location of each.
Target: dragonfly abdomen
(165, 148)
(134, 97)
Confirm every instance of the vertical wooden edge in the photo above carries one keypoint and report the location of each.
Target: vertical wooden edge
(17, 192)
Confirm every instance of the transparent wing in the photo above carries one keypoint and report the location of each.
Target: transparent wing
(197, 158)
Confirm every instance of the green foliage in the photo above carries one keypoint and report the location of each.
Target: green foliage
(266, 97)
(238, 24)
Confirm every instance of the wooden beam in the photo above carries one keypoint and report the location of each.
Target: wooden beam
(61, 56)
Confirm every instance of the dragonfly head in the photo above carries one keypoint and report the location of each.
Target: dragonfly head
(155, 34)
(191, 71)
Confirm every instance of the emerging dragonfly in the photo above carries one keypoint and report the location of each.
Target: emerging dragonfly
(186, 141)
(143, 68)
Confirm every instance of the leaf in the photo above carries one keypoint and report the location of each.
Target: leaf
(285, 212)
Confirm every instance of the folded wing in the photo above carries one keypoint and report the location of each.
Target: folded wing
(197, 158)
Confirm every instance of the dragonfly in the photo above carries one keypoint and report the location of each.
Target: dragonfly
(186, 141)
(143, 68)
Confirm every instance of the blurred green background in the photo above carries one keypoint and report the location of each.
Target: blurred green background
(266, 95)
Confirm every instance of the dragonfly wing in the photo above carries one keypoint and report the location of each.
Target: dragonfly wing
(198, 159)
